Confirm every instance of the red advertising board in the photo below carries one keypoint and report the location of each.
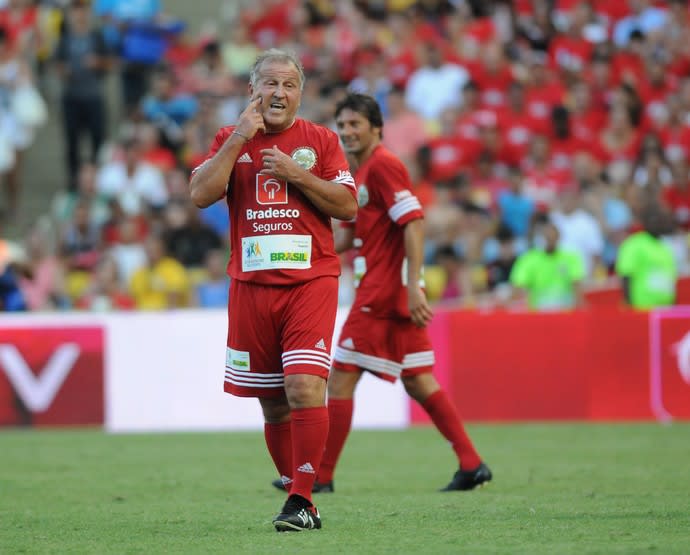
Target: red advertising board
(51, 376)
(669, 333)
(608, 364)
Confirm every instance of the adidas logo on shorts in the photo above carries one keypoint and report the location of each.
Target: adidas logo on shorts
(320, 344)
(245, 158)
(348, 343)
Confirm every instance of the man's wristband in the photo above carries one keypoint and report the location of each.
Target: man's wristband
(246, 139)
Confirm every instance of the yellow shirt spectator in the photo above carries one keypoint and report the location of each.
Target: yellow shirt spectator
(163, 283)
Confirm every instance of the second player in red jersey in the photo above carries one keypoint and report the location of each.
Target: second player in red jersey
(385, 333)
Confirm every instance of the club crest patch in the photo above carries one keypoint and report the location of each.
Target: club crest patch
(362, 195)
(305, 156)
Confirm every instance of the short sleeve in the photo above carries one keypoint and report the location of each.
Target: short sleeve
(334, 166)
(392, 185)
(218, 142)
(626, 260)
(520, 275)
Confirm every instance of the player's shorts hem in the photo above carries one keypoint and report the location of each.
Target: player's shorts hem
(307, 369)
(406, 373)
(261, 392)
(354, 369)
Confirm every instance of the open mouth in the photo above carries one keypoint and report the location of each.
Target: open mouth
(277, 106)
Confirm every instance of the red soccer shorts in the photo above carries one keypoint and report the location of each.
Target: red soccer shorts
(275, 331)
(388, 348)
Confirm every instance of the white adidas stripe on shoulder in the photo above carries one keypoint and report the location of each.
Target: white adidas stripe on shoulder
(402, 207)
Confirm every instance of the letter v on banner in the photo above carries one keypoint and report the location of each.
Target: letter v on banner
(38, 391)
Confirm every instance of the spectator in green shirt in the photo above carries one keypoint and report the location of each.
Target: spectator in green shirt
(646, 264)
(549, 274)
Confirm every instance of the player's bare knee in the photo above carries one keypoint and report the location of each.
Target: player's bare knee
(341, 385)
(305, 390)
(420, 386)
(275, 410)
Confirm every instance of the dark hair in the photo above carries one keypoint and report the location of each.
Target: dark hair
(362, 104)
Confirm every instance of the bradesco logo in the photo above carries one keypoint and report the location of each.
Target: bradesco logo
(270, 190)
(289, 257)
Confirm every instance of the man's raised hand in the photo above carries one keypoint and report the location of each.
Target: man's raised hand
(251, 120)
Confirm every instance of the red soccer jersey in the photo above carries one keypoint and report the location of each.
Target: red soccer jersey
(277, 236)
(386, 204)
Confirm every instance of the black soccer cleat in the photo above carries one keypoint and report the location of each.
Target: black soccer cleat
(465, 480)
(298, 514)
(326, 487)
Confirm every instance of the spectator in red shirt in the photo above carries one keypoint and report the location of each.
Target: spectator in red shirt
(600, 79)
(654, 90)
(542, 91)
(564, 145)
(400, 53)
(268, 21)
(467, 123)
(628, 63)
(675, 134)
(20, 18)
(443, 157)
(619, 140)
(493, 142)
(571, 51)
(517, 126)
(586, 121)
(543, 181)
(493, 76)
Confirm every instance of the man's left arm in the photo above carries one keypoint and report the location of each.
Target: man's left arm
(330, 197)
(420, 311)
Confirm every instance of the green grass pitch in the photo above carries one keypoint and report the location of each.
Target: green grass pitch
(558, 488)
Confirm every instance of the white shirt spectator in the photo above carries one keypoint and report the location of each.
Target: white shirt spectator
(432, 90)
(128, 258)
(580, 231)
(145, 186)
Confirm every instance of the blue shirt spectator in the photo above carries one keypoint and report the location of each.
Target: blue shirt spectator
(128, 10)
(216, 217)
(647, 20)
(516, 211)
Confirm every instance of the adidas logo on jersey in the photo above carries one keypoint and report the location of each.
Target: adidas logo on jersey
(245, 158)
(320, 344)
(306, 468)
(348, 343)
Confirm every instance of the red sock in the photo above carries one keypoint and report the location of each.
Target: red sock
(279, 443)
(447, 419)
(340, 421)
(309, 433)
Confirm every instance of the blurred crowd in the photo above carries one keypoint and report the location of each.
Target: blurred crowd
(522, 123)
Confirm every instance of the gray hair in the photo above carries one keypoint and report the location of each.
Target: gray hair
(277, 55)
